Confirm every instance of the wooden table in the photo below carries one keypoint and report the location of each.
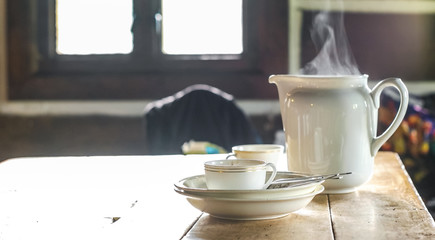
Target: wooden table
(132, 197)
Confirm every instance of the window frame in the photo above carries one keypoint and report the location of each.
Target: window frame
(37, 72)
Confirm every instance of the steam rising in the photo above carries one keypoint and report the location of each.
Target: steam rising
(334, 54)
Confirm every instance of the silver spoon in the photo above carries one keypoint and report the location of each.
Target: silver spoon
(298, 181)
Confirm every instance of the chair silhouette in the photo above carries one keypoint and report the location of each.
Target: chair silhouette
(199, 113)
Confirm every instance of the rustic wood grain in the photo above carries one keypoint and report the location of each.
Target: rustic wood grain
(312, 221)
(132, 197)
(387, 207)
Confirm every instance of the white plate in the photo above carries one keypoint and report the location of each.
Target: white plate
(196, 185)
(250, 209)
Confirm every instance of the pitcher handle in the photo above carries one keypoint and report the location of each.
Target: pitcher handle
(376, 93)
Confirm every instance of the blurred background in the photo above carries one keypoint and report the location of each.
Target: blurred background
(76, 76)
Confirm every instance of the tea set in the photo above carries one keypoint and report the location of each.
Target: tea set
(330, 126)
(251, 189)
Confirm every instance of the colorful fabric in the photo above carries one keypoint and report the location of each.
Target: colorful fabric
(414, 140)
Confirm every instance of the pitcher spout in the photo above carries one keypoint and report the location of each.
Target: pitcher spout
(281, 79)
(273, 79)
(285, 84)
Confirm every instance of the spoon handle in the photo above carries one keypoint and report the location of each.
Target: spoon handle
(275, 185)
(309, 178)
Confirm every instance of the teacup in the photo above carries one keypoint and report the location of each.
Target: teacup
(269, 153)
(238, 174)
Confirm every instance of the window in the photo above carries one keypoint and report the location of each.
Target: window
(197, 27)
(151, 49)
(98, 30)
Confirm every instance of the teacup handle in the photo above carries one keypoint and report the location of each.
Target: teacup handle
(376, 93)
(230, 155)
(272, 176)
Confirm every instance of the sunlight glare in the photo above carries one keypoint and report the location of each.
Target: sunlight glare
(202, 27)
(94, 26)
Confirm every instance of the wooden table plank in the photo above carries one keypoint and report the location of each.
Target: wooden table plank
(387, 207)
(312, 221)
(77, 197)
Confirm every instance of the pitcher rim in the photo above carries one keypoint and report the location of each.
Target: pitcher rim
(360, 76)
(321, 81)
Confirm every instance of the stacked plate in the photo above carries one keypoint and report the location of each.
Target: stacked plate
(278, 201)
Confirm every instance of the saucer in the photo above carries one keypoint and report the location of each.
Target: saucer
(249, 209)
(196, 185)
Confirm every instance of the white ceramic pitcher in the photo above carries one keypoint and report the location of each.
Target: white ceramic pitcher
(330, 123)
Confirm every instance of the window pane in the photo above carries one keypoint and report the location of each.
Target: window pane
(202, 27)
(94, 26)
